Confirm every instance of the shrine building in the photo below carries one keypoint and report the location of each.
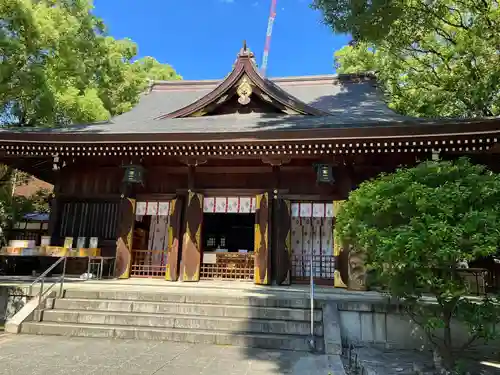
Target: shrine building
(239, 178)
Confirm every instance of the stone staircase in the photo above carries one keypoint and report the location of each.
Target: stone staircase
(262, 321)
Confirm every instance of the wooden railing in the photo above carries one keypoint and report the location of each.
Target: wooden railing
(229, 266)
(149, 263)
(323, 267)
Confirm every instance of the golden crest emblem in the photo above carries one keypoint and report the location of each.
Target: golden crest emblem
(244, 91)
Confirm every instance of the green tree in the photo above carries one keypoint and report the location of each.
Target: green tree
(433, 58)
(58, 66)
(37, 202)
(360, 58)
(152, 70)
(12, 207)
(415, 226)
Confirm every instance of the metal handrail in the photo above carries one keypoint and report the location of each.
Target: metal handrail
(312, 341)
(42, 277)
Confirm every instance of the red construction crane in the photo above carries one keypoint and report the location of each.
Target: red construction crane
(272, 16)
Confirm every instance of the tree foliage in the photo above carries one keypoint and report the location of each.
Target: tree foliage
(13, 207)
(415, 226)
(58, 66)
(433, 58)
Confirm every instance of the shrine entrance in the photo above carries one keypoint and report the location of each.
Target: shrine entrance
(312, 242)
(151, 239)
(210, 257)
(228, 238)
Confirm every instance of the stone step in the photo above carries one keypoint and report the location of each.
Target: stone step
(219, 323)
(204, 309)
(265, 341)
(262, 300)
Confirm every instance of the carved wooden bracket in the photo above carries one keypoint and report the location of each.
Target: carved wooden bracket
(495, 148)
(276, 161)
(193, 162)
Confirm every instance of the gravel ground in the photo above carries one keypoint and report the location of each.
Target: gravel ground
(375, 361)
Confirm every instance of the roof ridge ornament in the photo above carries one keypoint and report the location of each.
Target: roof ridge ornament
(244, 91)
(246, 82)
(245, 51)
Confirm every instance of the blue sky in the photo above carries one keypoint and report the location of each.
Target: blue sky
(200, 38)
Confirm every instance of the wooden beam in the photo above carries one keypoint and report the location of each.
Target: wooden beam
(191, 177)
(234, 170)
(311, 197)
(155, 197)
(229, 192)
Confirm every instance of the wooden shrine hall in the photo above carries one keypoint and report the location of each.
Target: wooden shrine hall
(239, 178)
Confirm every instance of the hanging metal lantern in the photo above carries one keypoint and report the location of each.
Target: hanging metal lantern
(324, 174)
(134, 174)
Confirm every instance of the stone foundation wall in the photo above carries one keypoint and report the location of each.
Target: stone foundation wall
(385, 325)
(12, 299)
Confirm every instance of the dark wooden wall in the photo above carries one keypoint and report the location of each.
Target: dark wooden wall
(295, 179)
(76, 181)
(88, 195)
(106, 181)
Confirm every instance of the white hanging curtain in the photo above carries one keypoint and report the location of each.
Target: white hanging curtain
(234, 205)
(158, 238)
(312, 234)
(158, 229)
(152, 208)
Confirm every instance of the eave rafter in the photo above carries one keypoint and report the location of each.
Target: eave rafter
(259, 148)
(246, 82)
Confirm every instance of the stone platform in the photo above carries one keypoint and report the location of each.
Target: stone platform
(207, 287)
(223, 313)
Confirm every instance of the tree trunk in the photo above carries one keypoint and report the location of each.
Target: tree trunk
(444, 361)
(438, 360)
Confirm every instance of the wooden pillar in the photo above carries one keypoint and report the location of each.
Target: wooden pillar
(54, 218)
(282, 246)
(341, 253)
(125, 231)
(273, 223)
(341, 275)
(345, 182)
(191, 241)
(262, 260)
(191, 176)
(191, 254)
(279, 249)
(55, 210)
(349, 262)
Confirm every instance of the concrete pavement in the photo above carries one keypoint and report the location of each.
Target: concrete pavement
(44, 355)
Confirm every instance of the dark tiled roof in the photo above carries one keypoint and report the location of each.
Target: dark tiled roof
(350, 103)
